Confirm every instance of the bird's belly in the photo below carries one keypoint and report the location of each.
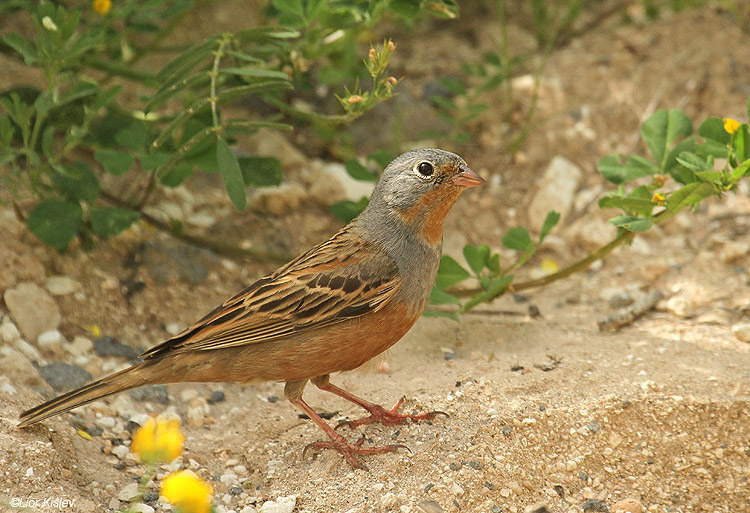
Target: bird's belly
(340, 347)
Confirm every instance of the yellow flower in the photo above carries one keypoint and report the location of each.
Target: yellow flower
(158, 441)
(102, 7)
(549, 266)
(730, 125)
(658, 198)
(187, 492)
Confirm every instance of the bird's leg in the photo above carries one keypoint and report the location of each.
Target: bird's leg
(377, 413)
(337, 442)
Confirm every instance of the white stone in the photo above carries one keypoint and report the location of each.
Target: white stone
(61, 285)
(8, 332)
(280, 505)
(141, 508)
(128, 493)
(106, 422)
(49, 338)
(248, 509)
(556, 191)
(33, 309)
(7, 388)
(742, 332)
(81, 346)
(172, 328)
(27, 349)
(120, 451)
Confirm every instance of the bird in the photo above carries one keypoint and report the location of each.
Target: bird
(329, 310)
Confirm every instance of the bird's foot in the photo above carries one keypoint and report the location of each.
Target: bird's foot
(391, 417)
(348, 450)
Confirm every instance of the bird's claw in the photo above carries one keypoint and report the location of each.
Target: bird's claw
(348, 449)
(391, 417)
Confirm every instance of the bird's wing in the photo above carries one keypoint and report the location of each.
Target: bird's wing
(342, 278)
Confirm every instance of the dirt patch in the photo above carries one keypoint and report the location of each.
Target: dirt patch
(657, 412)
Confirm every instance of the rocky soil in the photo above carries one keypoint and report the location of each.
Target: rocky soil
(546, 412)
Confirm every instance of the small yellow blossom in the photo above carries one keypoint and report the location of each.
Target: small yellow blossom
(188, 492)
(391, 46)
(549, 266)
(158, 441)
(94, 330)
(373, 55)
(730, 125)
(658, 198)
(355, 98)
(102, 7)
(49, 24)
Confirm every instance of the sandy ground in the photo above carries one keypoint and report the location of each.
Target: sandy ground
(544, 410)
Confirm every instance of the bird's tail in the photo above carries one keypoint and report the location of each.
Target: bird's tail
(126, 379)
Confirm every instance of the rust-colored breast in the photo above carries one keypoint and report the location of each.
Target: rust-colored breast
(338, 347)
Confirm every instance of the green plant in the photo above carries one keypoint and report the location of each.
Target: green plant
(59, 140)
(684, 169)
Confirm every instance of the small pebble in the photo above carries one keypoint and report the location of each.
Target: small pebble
(61, 285)
(7, 388)
(280, 505)
(172, 328)
(63, 376)
(454, 466)
(595, 505)
(8, 332)
(628, 506)
(141, 507)
(27, 349)
(236, 490)
(110, 346)
(429, 506)
(128, 493)
(120, 451)
(49, 338)
(507, 430)
(106, 422)
(457, 489)
(593, 426)
(742, 332)
(492, 411)
(151, 393)
(114, 504)
(151, 496)
(217, 396)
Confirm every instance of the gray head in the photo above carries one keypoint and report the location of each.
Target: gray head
(418, 189)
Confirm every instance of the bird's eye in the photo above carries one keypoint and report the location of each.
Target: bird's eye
(425, 169)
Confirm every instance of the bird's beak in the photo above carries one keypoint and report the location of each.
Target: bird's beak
(467, 178)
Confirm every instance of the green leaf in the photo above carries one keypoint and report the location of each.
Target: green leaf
(436, 313)
(151, 161)
(133, 135)
(689, 194)
(496, 288)
(662, 129)
(517, 238)
(632, 223)
(289, 6)
(55, 222)
(617, 171)
(694, 162)
(347, 210)
(739, 171)
(177, 174)
(493, 263)
(260, 171)
(253, 72)
(439, 297)
(713, 129)
(109, 221)
(76, 181)
(449, 273)
(359, 172)
(710, 176)
(476, 257)
(381, 157)
(407, 9)
(22, 46)
(230, 171)
(105, 97)
(741, 143)
(630, 205)
(114, 162)
(549, 223)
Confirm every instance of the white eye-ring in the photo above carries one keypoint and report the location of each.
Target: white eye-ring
(425, 169)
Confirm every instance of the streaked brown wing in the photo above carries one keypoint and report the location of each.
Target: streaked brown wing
(342, 278)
